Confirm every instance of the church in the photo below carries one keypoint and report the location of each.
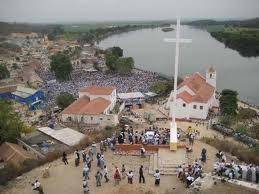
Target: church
(195, 96)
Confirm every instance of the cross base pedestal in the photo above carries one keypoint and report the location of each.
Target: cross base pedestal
(173, 136)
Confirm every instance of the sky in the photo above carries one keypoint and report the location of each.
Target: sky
(53, 11)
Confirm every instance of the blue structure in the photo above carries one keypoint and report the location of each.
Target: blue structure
(24, 95)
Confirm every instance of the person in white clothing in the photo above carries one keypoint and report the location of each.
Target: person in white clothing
(157, 178)
(130, 177)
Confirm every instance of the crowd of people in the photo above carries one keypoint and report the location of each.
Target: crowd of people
(189, 173)
(139, 81)
(231, 170)
(87, 156)
(151, 135)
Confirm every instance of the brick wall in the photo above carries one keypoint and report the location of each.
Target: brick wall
(132, 147)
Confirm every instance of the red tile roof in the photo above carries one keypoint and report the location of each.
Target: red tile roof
(84, 106)
(197, 83)
(98, 90)
(185, 96)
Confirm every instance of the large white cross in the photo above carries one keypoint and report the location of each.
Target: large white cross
(173, 125)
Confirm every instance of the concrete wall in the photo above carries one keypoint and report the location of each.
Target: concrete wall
(100, 120)
(189, 111)
(30, 149)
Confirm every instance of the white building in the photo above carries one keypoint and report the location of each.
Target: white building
(195, 96)
(106, 92)
(93, 107)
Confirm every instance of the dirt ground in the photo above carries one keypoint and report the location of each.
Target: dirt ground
(68, 178)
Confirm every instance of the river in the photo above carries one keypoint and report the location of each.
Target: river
(150, 52)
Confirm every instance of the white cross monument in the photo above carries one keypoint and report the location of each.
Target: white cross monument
(173, 125)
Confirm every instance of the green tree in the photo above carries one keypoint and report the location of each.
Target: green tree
(228, 102)
(64, 99)
(61, 66)
(4, 73)
(159, 87)
(10, 124)
(117, 51)
(111, 61)
(124, 64)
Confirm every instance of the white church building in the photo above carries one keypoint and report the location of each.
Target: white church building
(195, 96)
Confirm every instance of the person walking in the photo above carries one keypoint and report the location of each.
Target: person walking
(37, 187)
(105, 174)
(123, 171)
(130, 177)
(77, 157)
(117, 177)
(141, 174)
(142, 151)
(157, 178)
(98, 177)
(85, 187)
(64, 158)
(86, 172)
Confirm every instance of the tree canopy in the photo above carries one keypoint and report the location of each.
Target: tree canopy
(228, 102)
(61, 66)
(164, 86)
(10, 124)
(4, 72)
(64, 99)
(116, 62)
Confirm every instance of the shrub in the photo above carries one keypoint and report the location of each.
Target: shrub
(247, 155)
(7, 173)
(246, 113)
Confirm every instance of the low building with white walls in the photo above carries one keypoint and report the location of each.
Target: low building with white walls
(195, 96)
(93, 108)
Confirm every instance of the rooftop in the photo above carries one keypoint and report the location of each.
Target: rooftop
(98, 90)
(24, 92)
(84, 106)
(130, 95)
(67, 136)
(197, 83)
(13, 153)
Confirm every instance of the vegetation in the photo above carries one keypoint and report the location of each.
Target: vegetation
(240, 35)
(163, 87)
(92, 32)
(64, 99)
(11, 126)
(254, 131)
(247, 155)
(246, 113)
(250, 23)
(228, 102)
(61, 66)
(227, 120)
(244, 40)
(4, 72)
(116, 62)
